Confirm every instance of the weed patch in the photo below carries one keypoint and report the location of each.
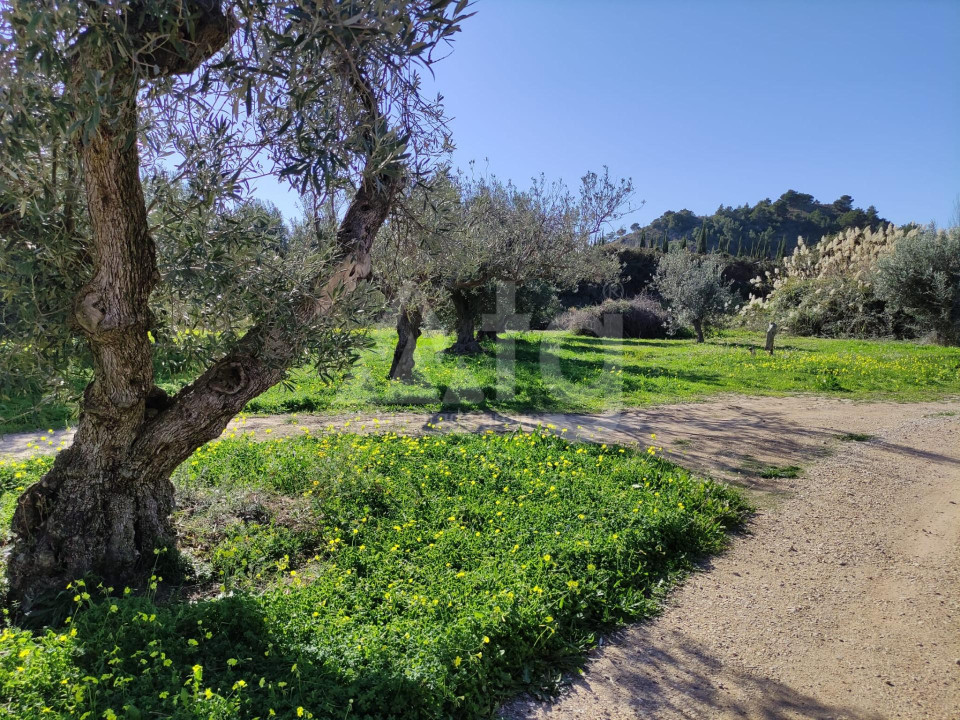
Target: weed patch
(754, 467)
(854, 437)
(780, 471)
(377, 576)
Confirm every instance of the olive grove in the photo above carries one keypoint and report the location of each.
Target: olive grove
(460, 234)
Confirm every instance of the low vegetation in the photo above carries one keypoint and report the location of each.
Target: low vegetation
(562, 372)
(888, 282)
(339, 575)
(639, 317)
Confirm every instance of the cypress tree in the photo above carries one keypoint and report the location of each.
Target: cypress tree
(702, 240)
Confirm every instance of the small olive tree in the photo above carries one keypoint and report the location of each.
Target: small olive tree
(422, 234)
(694, 288)
(459, 234)
(920, 276)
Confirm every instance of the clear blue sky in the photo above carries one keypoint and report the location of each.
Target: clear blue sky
(709, 103)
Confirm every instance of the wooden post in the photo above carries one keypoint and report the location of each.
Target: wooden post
(771, 334)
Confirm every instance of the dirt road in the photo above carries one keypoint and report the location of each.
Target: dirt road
(842, 602)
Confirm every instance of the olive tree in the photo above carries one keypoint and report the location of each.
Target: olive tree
(463, 233)
(920, 276)
(96, 97)
(420, 236)
(694, 288)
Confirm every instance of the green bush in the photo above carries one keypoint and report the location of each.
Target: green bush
(639, 317)
(833, 306)
(921, 277)
(437, 577)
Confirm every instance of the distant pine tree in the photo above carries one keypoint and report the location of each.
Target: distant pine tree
(702, 240)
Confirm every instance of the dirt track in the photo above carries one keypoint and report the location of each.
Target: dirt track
(843, 601)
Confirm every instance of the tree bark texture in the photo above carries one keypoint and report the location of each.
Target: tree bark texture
(771, 336)
(466, 342)
(92, 512)
(105, 504)
(409, 322)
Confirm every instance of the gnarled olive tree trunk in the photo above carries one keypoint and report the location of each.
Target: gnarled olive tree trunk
(105, 504)
(465, 328)
(93, 511)
(409, 322)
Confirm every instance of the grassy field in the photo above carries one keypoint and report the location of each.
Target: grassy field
(339, 576)
(565, 373)
(560, 372)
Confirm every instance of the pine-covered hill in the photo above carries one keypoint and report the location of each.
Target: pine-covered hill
(767, 229)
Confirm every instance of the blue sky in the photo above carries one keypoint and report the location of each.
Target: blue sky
(709, 103)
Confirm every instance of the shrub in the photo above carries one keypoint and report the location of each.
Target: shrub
(828, 289)
(921, 277)
(693, 286)
(642, 317)
(832, 307)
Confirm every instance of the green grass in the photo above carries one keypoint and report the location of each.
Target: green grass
(855, 437)
(755, 467)
(29, 413)
(375, 577)
(780, 471)
(559, 372)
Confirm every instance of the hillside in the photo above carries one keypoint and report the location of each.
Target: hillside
(767, 229)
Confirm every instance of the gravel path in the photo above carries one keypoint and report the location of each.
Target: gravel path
(842, 602)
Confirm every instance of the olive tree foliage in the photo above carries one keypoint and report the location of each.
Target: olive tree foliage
(920, 276)
(694, 289)
(460, 233)
(128, 124)
(422, 234)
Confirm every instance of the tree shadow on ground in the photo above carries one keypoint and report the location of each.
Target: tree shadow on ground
(534, 359)
(733, 442)
(156, 653)
(913, 452)
(664, 675)
(759, 345)
(721, 443)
